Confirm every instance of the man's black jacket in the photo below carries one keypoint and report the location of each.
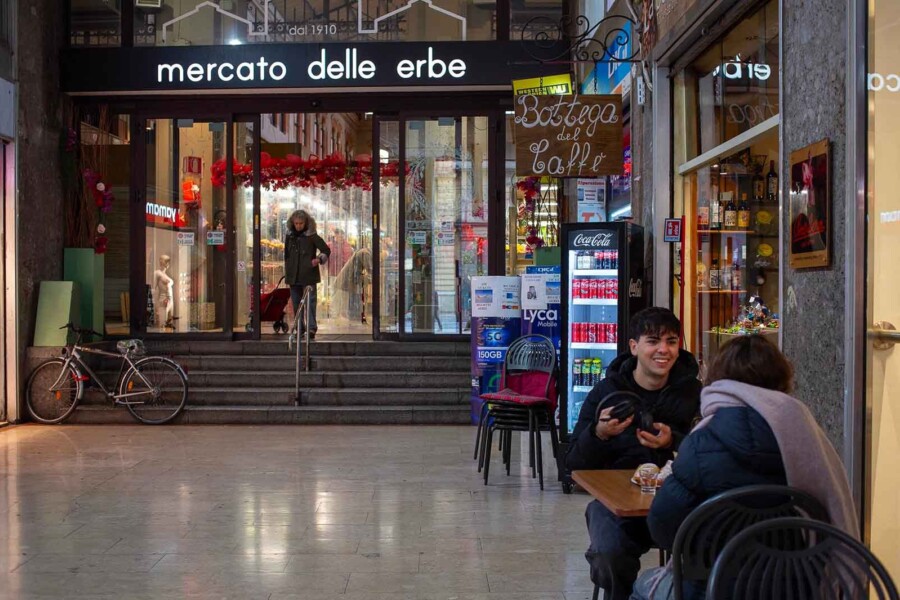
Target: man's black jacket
(677, 404)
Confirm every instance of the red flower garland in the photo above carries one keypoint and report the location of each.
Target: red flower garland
(294, 171)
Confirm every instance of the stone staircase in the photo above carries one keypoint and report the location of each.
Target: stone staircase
(351, 382)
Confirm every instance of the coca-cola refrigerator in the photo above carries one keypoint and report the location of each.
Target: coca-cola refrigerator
(602, 286)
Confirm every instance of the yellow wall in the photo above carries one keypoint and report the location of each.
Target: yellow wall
(884, 232)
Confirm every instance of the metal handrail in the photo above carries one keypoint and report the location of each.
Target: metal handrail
(302, 311)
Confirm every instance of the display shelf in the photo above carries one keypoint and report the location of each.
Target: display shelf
(767, 331)
(595, 272)
(593, 346)
(740, 231)
(721, 291)
(596, 301)
(582, 388)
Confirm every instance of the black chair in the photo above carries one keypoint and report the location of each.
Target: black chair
(526, 402)
(711, 525)
(797, 559)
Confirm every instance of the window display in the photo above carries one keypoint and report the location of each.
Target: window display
(726, 154)
(185, 257)
(735, 240)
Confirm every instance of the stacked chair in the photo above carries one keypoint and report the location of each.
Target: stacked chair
(526, 402)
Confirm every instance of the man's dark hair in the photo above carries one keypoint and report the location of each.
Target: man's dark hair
(654, 321)
(754, 360)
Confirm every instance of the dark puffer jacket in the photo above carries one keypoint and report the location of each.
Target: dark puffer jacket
(677, 405)
(737, 448)
(299, 251)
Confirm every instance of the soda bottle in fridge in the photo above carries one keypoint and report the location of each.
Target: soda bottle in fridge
(576, 372)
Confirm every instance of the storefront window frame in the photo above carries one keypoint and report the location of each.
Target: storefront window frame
(124, 37)
(682, 162)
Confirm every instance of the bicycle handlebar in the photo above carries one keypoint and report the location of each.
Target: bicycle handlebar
(80, 331)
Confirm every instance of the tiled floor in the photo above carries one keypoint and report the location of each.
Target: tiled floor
(311, 513)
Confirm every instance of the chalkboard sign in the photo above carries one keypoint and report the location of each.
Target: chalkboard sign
(569, 136)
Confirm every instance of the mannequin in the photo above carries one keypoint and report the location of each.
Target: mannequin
(165, 298)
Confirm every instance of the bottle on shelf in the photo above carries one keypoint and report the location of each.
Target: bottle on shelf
(759, 187)
(736, 276)
(703, 214)
(743, 215)
(715, 213)
(596, 370)
(725, 276)
(714, 274)
(772, 183)
(730, 218)
(576, 372)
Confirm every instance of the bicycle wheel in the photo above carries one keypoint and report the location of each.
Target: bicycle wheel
(155, 390)
(48, 405)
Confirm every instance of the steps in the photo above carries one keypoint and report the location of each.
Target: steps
(351, 382)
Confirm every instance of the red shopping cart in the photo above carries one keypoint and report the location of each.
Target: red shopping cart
(274, 304)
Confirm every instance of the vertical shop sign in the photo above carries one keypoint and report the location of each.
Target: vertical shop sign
(568, 136)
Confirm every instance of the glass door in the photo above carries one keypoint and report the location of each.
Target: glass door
(386, 222)
(883, 311)
(445, 210)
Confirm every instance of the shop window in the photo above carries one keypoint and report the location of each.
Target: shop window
(733, 86)
(171, 22)
(186, 246)
(726, 188)
(94, 22)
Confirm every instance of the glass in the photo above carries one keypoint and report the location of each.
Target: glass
(731, 88)
(245, 267)
(167, 22)
(446, 221)
(647, 477)
(335, 188)
(105, 141)
(530, 20)
(388, 222)
(186, 254)
(731, 250)
(883, 371)
(95, 22)
(532, 209)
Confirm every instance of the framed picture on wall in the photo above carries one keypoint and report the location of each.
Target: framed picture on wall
(810, 206)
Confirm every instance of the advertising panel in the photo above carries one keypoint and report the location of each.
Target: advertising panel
(496, 322)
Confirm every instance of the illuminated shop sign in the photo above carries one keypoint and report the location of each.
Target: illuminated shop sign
(298, 66)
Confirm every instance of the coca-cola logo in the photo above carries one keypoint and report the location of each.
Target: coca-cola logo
(596, 240)
(636, 288)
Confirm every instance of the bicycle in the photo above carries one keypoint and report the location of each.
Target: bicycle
(153, 388)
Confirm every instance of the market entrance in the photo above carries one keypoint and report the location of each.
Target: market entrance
(407, 219)
(320, 163)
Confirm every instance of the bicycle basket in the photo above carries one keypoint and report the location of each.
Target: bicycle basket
(133, 347)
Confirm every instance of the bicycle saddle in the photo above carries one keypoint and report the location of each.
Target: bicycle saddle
(135, 347)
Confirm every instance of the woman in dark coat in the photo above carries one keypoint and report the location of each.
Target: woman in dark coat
(304, 251)
(753, 432)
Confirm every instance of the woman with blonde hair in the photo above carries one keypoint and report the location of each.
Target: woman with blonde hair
(304, 251)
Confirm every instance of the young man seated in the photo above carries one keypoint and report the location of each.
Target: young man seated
(665, 378)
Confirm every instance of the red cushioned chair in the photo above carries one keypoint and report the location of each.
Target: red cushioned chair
(526, 402)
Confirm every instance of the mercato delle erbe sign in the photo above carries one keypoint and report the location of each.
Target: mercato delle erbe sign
(343, 67)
